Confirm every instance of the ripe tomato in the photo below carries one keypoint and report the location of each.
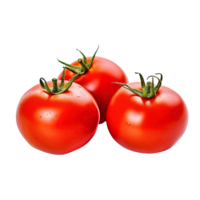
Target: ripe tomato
(57, 124)
(98, 80)
(146, 125)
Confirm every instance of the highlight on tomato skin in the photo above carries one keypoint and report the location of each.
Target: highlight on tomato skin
(146, 124)
(57, 124)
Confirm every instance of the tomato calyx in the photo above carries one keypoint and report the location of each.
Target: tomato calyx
(57, 89)
(85, 66)
(148, 90)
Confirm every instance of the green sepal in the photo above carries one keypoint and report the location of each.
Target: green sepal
(56, 89)
(147, 84)
(85, 66)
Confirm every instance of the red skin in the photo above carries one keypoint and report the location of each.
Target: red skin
(57, 124)
(147, 125)
(98, 81)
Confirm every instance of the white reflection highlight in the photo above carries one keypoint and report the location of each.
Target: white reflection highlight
(134, 117)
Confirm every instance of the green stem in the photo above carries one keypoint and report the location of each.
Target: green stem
(141, 80)
(45, 86)
(62, 83)
(148, 91)
(81, 53)
(85, 66)
(54, 90)
(58, 60)
(96, 51)
(55, 85)
(57, 89)
(72, 68)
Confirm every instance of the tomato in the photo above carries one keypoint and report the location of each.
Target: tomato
(146, 125)
(57, 124)
(98, 80)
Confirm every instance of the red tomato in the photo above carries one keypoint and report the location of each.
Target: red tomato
(98, 81)
(146, 125)
(57, 124)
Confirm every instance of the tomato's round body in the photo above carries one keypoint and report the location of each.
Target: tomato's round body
(98, 81)
(147, 125)
(57, 124)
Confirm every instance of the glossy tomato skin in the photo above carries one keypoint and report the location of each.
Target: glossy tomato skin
(98, 81)
(57, 124)
(147, 125)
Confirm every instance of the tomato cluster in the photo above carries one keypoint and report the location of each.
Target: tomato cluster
(63, 115)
